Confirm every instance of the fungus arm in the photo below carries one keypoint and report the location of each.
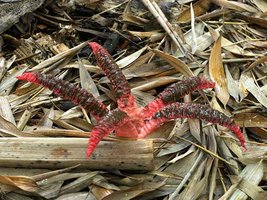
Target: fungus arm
(175, 92)
(195, 111)
(118, 81)
(108, 124)
(68, 90)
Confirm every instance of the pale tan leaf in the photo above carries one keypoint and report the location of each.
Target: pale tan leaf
(217, 74)
(248, 82)
(200, 8)
(5, 110)
(146, 70)
(226, 153)
(126, 17)
(203, 41)
(135, 191)
(261, 4)
(143, 59)
(100, 192)
(259, 132)
(253, 174)
(146, 34)
(195, 181)
(21, 182)
(131, 58)
(79, 184)
(248, 119)
(259, 20)
(60, 56)
(103, 182)
(235, 49)
(251, 157)
(256, 63)
(10, 129)
(50, 190)
(259, 43)
(5, 65)
(178, 64)
(178, 157)
(180, 167)
(72, 113)
(49, 178)
(43, 176)
(77, 196)
(232, 85)
(8, 82)
(153, 83)
(27, 114)
(86, 80)
(234, 5)
(16, 196)
(46, 120)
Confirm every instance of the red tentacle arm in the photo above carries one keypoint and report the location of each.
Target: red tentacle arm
(109, 123)
(196, 111)
(175, 92)
(115, 75)
(68, 90)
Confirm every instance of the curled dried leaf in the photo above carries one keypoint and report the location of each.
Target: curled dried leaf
(217, 74)
(20, 182)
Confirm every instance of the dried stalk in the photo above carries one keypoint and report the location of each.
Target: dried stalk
(163, 21)
(65, 152)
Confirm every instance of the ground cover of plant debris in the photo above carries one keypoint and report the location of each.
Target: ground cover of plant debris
(155, 43)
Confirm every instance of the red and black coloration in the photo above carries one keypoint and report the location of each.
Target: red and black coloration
(128, 120)
(69, 91)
